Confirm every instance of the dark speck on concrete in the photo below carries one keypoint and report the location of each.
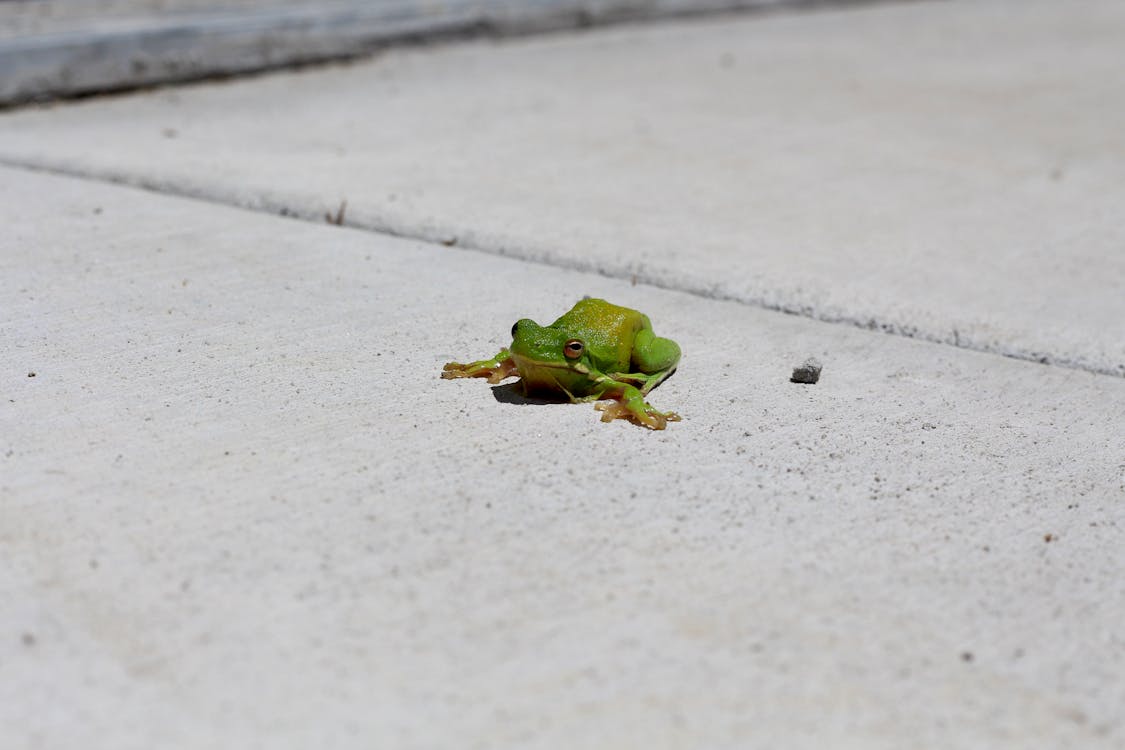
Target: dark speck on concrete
(338, 218)
(28, 639)
(808, 373)
(31, 374)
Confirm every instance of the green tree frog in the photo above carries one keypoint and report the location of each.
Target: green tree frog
(595, 352)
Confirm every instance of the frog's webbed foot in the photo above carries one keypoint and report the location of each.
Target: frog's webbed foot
(496, 369)
(631, 405)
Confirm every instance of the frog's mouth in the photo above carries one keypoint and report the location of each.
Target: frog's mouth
(549, 377)
(526, 363)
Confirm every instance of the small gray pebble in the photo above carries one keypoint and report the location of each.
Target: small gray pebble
(809, 372)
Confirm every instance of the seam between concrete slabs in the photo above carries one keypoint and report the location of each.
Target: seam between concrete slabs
(279, 208)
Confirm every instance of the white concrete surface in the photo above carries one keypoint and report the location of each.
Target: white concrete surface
(238, 508)
(951, 171)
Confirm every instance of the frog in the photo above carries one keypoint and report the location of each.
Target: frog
(597, 351)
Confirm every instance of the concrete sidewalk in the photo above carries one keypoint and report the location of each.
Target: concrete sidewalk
(969, 193)
(239, 508)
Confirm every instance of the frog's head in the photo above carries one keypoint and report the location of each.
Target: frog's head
(550, 360)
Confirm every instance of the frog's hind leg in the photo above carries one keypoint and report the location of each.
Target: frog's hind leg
(654, 358)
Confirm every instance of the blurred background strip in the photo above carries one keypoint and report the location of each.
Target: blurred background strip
(63, 48)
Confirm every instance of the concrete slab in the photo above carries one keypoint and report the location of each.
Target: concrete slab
(238, 507)
(946, 171)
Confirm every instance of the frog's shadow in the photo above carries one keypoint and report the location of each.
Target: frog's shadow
(512, 393)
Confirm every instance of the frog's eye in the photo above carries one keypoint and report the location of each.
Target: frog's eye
(514, 327)
(573, 349)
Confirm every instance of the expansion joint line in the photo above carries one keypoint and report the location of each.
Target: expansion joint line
(337, 217)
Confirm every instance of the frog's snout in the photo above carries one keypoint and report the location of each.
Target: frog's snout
(521, 324)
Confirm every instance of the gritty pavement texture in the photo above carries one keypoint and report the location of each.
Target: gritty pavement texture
(238, 507)
(962, 193)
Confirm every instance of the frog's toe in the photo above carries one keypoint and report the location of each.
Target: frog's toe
(612, 410)
(453, 370)
(651, 419)
(498, 375)
(645, 416)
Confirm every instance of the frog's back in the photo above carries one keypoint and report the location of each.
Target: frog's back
(607, 329)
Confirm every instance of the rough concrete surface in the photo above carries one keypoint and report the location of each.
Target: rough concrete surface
(238, 508)
(950, 171)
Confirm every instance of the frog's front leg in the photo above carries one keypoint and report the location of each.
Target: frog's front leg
(496, 369)
(628, 402)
